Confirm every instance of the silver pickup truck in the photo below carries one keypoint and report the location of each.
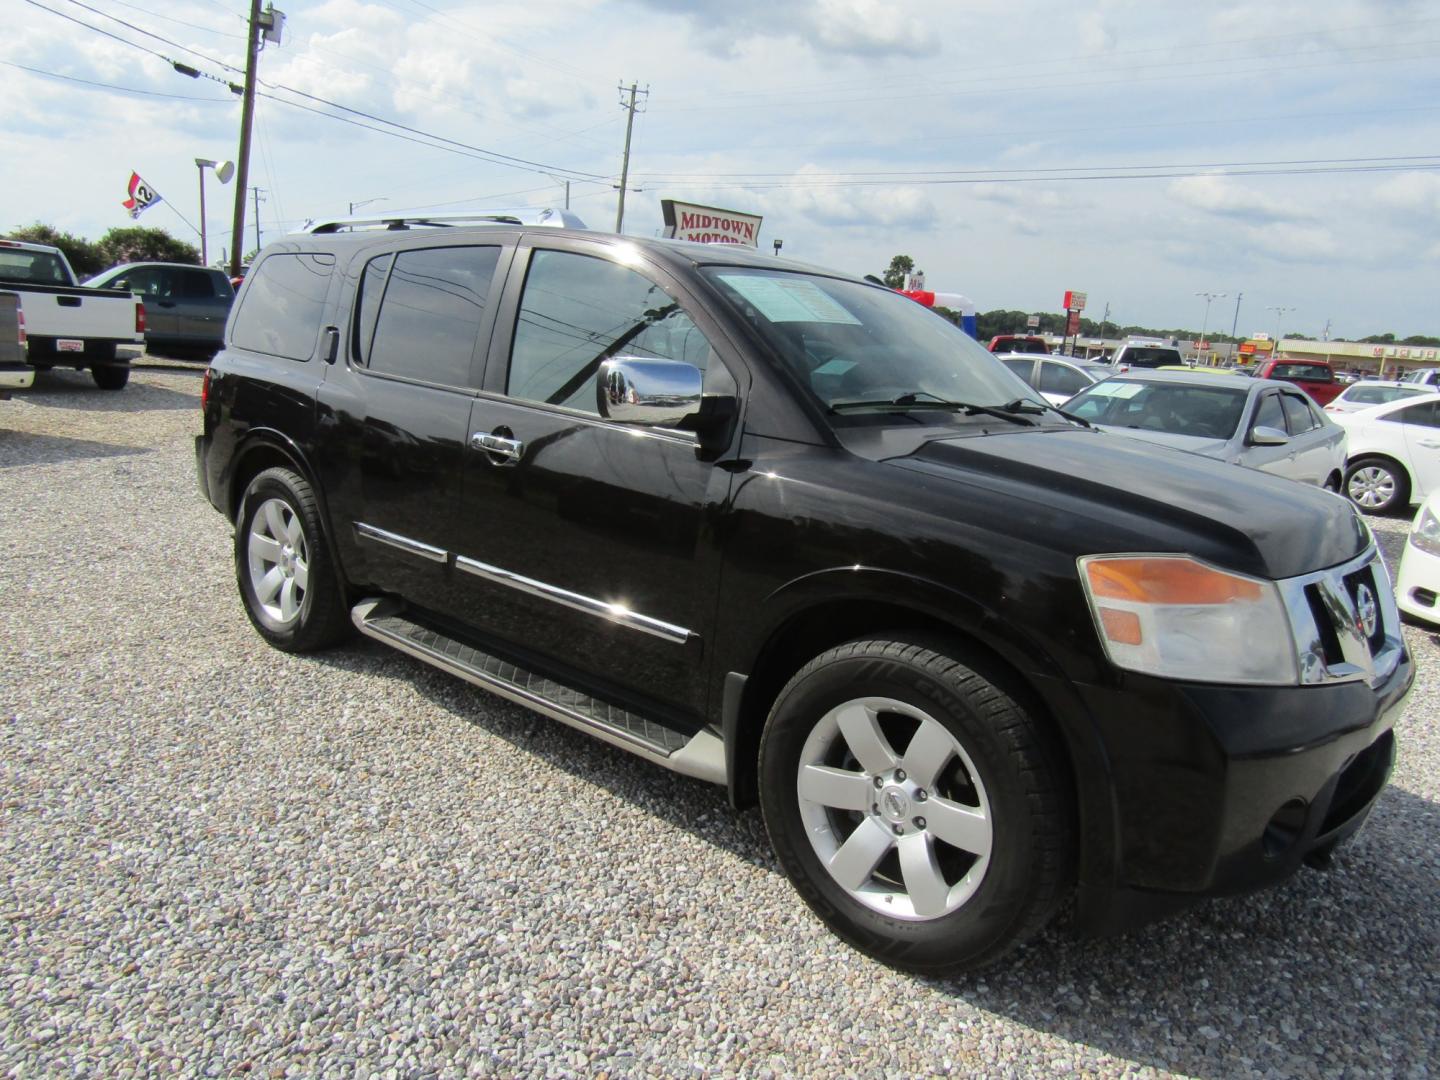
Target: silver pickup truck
(15, 373)
(69, 325)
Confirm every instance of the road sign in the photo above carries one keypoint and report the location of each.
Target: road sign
(1074, 301)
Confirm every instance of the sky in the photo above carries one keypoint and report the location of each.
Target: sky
(1141, 151)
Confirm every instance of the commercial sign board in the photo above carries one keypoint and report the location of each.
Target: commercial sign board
(710, 224)
(1032, 321)
(1072, 327)
(1074, 301)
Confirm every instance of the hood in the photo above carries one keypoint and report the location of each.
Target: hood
(1107, 494)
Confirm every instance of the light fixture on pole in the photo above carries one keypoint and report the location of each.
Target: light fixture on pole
(1210, 298)
(1279, 321)
(778, 244)
(223, 171)
(366, 202)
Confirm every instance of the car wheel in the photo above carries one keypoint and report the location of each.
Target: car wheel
(110, 376)
(283, 568)
(1377, 485)
(916, 805)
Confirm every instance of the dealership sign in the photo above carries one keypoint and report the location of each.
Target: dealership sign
(709, 224)
(1074, 301)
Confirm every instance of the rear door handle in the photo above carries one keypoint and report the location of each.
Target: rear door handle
(497, 445)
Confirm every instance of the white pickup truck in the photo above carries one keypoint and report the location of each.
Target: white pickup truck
(15, 373)
(67, 324)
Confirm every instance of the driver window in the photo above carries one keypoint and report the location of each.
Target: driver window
(1270, 414)
(578, 311)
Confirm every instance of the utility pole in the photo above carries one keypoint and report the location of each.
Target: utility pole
(1104, 319)
(1235, 323)
(268, 24)
(1209, 299)
(255, 191)
(630, 108)
(247, 117)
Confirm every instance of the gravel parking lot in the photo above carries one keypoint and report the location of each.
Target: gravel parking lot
(220, 859)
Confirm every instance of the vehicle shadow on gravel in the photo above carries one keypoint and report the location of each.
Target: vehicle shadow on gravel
(1265, 982)
(19, 448)
(76, 390)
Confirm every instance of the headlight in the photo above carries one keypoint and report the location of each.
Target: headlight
(1176, 617)
(1425, 533)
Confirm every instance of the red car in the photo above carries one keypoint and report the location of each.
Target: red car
(1315, 377)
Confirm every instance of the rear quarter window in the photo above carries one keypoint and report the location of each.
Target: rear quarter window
(284, 304)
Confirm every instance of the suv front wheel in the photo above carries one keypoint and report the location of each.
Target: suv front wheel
(915, 805)
(283, 568)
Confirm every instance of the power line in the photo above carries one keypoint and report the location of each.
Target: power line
(112, 86)
(178, 22)
(480, 153)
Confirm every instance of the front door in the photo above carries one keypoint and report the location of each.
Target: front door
(589, 542)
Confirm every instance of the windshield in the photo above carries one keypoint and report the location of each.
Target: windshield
(849, 342)
(1206, 412)
(37, 267)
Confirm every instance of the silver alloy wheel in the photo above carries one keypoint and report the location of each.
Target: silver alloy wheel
(279, 561)
(861, 800)
(1371, 486)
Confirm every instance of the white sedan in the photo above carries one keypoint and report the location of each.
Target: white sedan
(1366, 395)
(1393, 453)
(1417, 589)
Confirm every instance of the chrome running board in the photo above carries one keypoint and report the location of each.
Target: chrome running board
(701, 755)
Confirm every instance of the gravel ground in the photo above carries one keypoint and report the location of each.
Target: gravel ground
(221, 860)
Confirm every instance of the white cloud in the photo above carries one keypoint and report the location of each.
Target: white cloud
(1287, 242)
(1222, 196)
(1412, 195)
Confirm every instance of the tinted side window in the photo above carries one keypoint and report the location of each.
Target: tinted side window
(431, 313)
(367, 306)
(577, 312)
(1024, 368)
(1297, 414)
(284, 304)
(1271, 413)
(1421, 415)
(1059, 379)
(194, 285)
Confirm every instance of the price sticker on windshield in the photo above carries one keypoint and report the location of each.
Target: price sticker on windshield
(789, 299)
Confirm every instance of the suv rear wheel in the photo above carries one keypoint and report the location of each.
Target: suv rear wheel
(283, 568)
(915, 805)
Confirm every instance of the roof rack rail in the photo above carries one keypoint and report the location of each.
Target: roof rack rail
(547, 216)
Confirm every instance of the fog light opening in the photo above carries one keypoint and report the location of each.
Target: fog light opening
(1284, 829)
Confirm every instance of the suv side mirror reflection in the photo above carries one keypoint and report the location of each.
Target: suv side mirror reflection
(641, 390)
(1268, 436)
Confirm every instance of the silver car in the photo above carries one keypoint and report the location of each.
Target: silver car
(1058, 378)
(1258, 423)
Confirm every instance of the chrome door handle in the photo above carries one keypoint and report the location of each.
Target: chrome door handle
(498, 445)
(1431, 443)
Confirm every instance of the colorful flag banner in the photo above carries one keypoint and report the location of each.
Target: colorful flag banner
(142, 196)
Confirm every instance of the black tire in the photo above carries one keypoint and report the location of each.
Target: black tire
(320, 617)
(1377, 485)
(1023, 791)
(110, 376)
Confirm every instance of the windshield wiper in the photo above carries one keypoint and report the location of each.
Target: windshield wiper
(1067, 415)
(912, 401)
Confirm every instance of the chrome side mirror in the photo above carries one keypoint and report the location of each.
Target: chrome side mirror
(1268, 436)
(640, 390)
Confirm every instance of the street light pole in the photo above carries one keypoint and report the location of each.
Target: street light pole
(223, 171)
(1209, 299)
(1279, 321)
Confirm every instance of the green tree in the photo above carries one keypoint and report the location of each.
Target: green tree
(139, 244)
(85, 258)
(901, 267)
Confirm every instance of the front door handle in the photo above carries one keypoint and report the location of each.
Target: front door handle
(1431, 443)
(498, 446)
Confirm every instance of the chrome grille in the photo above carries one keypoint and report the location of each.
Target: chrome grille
(1327, 616)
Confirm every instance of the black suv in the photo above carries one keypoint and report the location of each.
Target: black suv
(790, 532)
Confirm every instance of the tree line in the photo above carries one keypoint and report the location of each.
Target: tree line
(119, 245)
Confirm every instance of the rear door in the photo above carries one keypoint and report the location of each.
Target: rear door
(594, 543)
(396, 414)
(1421, 423)
(1059, 381)
(200, 300)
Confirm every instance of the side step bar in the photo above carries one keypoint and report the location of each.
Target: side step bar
(701, 755)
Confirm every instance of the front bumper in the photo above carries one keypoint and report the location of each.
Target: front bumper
(1224, 790)
(1417, 586)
